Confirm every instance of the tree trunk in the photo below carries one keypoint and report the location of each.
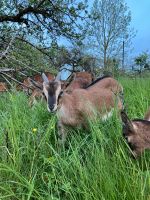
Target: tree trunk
(105, 58)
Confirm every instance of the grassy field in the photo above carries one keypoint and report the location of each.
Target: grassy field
(95, 165)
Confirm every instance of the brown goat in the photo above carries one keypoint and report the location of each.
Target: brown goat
(107, 82)
(36, 94)
(76, 80)
(3, 87)
(137, 134)
(75, 108)
(80, 80)
(36, 90)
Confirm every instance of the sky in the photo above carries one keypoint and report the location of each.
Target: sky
(140, 11)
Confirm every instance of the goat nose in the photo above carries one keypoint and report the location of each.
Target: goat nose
(51, 107)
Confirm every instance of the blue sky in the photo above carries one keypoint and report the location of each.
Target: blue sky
(140, 10)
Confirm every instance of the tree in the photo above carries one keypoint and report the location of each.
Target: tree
(34, 25)
(142, 61)
(81, 60)
(40, 22)
(110, 21)
(55, 18)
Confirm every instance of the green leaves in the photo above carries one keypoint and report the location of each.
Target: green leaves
(142, 59)
(49, 15)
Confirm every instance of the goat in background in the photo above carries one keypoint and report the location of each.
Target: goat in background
(79, 80)
(3, 87)
(137, 133)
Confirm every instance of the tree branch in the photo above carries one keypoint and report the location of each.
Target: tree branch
(39, 49)
(25, 66)
(4, 54)
(7, 70)
(4, 74)
(19, 17)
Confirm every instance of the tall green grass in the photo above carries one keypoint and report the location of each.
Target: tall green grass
(94, 165)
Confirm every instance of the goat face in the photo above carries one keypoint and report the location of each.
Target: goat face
(137, 134)
(51, 91)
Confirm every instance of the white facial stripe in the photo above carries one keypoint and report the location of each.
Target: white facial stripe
(57, 94)
(45, 91)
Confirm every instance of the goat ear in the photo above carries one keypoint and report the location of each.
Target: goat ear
(44, 77)
(58, 77)
(126, 121)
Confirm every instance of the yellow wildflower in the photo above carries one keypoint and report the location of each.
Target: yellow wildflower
(34, 130)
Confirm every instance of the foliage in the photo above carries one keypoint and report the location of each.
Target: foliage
(142, 59)
(27, 59)
(142, 62)
(30, 29)
(73, 56)
(94, 165)
(110, 27)
(43, 18)
(112, 67)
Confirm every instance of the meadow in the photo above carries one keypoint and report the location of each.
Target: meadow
(94, 165)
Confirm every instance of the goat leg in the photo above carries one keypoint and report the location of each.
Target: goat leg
(61, 133)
